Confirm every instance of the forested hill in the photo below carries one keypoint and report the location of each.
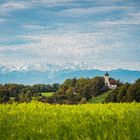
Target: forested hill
(36, 77)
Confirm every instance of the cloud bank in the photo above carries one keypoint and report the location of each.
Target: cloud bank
(50, 35)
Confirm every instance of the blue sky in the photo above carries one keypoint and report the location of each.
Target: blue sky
(50, 35)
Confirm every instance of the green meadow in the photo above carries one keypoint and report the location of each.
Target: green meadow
(99, 98)
(47, 94)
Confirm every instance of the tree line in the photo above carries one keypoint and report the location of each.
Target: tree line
(75, 91)
(21, 93)
(72, 91)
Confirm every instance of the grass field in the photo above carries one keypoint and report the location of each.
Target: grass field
(38, 121)
(47, 94)
(98, 99)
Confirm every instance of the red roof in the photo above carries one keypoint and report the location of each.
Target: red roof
(112, 82)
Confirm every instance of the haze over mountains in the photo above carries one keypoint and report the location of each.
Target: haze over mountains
(44, 77)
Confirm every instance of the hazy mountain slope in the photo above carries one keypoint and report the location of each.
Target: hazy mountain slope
(32, 76)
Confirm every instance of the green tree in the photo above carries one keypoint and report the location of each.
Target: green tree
(4, 95)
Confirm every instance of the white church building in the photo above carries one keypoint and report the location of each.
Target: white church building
(109, 83)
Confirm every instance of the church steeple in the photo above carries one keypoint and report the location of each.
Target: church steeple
(107, 82)
(106, 74)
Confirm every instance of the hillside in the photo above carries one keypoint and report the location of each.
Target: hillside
(98, 99)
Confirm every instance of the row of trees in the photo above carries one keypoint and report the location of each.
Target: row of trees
(74, 91)
(23, 93)
(125, 93)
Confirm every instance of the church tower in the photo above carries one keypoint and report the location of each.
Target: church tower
(106, 77)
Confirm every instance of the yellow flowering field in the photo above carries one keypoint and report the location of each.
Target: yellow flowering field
(39, 121)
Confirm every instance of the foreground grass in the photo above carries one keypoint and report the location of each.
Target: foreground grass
(38, 121)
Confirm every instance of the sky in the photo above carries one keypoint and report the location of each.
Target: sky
(52, 35)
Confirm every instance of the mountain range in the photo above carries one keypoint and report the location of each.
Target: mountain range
(45, 77)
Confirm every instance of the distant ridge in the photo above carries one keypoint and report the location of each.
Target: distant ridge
(36, 77)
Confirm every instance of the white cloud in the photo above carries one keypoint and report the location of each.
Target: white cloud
(51, 1)
(70, 45)
(72, 12)
(3, 20)
(10, 6)
(59, 51)
(106, 1)
(135, 14)
(13, 5)
(32, 26)
(119, 22)
(130, 18)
